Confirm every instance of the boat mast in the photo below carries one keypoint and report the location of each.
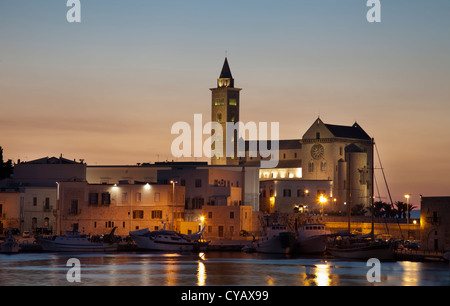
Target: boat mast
(372, 191)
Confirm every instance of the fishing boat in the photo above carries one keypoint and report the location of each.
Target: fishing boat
(278, 240)
(10, 245)
(171, 241)
(312, 238)
(364, 247)
(74, 242)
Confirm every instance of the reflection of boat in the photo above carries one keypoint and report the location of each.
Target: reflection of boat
(9, 245)
(278, 240)
(360, 247)
(312, 238)
(74, 242)
(164, 240)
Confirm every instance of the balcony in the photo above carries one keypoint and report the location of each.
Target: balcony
(48, 208)
(74, 212)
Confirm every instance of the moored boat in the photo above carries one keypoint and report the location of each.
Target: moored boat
(360, 247)
(74, 242)
(278, 240)
(10, 245)
(312, 238)
(165, 240)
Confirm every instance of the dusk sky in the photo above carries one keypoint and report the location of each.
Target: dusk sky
(108, 89)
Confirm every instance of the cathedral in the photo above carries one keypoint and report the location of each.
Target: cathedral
(328, 171)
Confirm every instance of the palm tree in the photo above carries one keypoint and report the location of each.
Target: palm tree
(359, 210)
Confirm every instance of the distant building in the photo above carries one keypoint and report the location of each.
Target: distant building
(35, 183)
(9, 209)
(228, 222)
(98, 208)
(435, 223)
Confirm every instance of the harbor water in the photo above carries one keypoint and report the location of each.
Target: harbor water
(211, 269)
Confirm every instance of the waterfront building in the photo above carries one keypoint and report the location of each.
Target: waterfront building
(228, 222)
(9, 208)
(98, 208)
(435, 223)
(206, 186)
(35, 185)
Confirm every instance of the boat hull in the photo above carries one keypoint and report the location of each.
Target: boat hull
(75, 246)
(147, 243)
(9, 248)
(312, 245)
(281, 244)
(381, 252)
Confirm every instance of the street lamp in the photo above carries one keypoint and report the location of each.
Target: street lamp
(407, 196)
(322, 200)
(173, 201)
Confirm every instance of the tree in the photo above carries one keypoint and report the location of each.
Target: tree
(359, 210)
(6, 169)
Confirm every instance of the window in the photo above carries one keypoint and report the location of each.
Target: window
(219, 117)
(74, 207)
(300, 193)
(219, 102)
(156, 214)
(34, 201)
(124, 197)
(157, 197)
(106, 198)
(323, 166)
(198, 183)
(318, 135)
(47, 204)
(232, 102)
(138, 196)
(286, 193)
(197, 203)
(232, 215)
(138, 214)
(311, 166)
(209, 214)
(93, 198)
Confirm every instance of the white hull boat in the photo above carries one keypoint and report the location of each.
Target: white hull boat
(74, 242)
(278, 240)
(169, 241)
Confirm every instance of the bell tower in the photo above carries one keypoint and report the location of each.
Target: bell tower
(225, 108)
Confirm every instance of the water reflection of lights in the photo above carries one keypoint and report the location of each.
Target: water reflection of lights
(201, 274)
(411, 272)
(323, 275)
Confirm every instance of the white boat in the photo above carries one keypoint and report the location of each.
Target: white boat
(74, 242)
(171, 241)
(312, 238)
(278, 240)
(10, 245)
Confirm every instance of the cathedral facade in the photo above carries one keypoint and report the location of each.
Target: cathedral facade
(328, 170)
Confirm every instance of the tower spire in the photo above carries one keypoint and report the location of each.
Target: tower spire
(226, 78)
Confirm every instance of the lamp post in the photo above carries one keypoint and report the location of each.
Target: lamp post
(407, 196)
(322, 200)
(173, 201)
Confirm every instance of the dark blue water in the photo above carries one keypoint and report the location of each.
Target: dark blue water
(214, 268)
